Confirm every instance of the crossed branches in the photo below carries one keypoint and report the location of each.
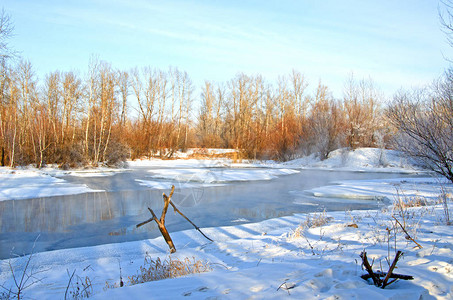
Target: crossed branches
(161, 222)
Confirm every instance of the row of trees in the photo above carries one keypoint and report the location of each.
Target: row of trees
(282, 121)
(109, 115)
(72, 120)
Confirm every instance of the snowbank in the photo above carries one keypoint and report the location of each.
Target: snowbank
(178, 163)
(362, 159)
(427, 188)
(24, 184)
(219, 175)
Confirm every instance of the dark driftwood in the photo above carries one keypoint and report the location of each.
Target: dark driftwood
(376, 276)
(161, 222)
(392, 267)
(369, 269)
(383, 274)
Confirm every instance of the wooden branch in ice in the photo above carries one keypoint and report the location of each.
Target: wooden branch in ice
(161, 222)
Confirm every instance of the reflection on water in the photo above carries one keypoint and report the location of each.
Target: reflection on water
(59, 213)
(110, 217)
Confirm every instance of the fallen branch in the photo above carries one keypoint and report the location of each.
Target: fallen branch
(383, 274)
(161, 223)
(392, 267)
(369, 269)
(376, 276)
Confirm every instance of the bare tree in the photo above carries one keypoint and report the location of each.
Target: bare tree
(446, 19)
(9, 118)
(6, 32)
(424, 119)
(326, 123)
(210, 121)
(124, 84)
(205, 117)
(362, 112)
(72, 95)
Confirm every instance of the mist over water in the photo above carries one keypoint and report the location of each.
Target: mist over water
(110, 217)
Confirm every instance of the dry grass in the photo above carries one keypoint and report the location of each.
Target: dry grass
(405, 202)
(157, 269)
(153, 270)
(78, 287)
(444, 198)
(312, 221)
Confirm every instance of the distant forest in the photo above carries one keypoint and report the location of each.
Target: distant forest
(74, 121)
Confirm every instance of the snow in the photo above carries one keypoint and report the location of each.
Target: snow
(191, 152)
(254, 260)
(273, 259)
(178, 163)
(359, 160)
(24, 184)
(163, 185)
(219, 176)
(428, 188)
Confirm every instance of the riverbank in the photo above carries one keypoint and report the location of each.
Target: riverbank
(307, 256)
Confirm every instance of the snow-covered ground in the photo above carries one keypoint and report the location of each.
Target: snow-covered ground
(219, 176)
(24, 184)
(362, 159)
(277, 258)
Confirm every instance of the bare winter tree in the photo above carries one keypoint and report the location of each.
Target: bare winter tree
(326, 123)
(6, 32)
(425, 123)
(425, 118)
(362, 113)
(446, 19)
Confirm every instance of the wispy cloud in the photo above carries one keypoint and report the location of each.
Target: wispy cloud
(392, 41)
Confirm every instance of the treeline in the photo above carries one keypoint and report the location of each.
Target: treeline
(110, 115)
(282, 121)
(69, 120)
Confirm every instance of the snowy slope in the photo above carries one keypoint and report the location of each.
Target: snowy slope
(362, 159)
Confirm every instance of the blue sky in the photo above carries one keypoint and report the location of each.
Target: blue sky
(396, 43)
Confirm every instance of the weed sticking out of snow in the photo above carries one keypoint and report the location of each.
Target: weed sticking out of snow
(444, 199)
(312, 220)
(78, 287)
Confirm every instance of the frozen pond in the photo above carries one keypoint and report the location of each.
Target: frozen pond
(207, 195)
